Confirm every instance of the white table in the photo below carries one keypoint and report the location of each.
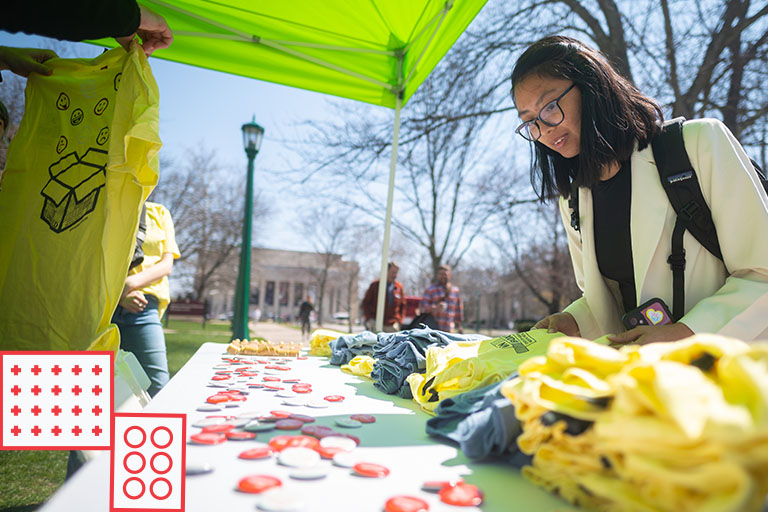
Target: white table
(397, 440)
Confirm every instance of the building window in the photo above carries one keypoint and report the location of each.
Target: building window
(284, 287)
(269, 294)
(298, 293)
(255, 295)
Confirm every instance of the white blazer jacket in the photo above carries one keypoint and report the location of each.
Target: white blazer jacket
(728, 297)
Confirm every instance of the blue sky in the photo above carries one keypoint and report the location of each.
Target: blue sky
(199, 106)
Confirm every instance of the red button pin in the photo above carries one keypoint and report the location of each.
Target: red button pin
(363, 418)
(334, 398)
(371, 470)
(405, 504)
(437, 485)
(208, 438)
(461, 495)
(223, 427)
(327, 452)
(218, 398)
(279, 443)
(262, 452)
(271, 379)
(240, 436)
(281, 414)
(258, 483)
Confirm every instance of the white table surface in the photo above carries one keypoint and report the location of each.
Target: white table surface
(397, 440)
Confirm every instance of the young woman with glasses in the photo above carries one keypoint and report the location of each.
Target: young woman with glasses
(591, 129)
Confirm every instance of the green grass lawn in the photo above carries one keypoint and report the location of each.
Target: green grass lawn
(29, 477)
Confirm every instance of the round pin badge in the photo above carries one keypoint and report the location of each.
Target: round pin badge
(312, 473)
(334, 398)
(302, 417)
(207, 422)
(436, 485)
(462, 495)
(328, 452)
(209, 408)
(370, 470)
(258, 483)
(344, 443)
(221, 377)
(279, 443)
(280, 414)
(221, 427)
(239, 422)
(347, 423)
(217, 399)
(271, 379)
(257, 426)
(363, 418)
(250, 414)
(289, 424)
(291, 381)
(198, 468)
(208, 438)
(239, 435)
(299, 457)
(346, 459)
(294, 402)
(317, 404)
(405, 504)
(261, 452)
(286, 394)
(280, 500)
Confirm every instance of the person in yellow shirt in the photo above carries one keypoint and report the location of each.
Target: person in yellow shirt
(146, 296)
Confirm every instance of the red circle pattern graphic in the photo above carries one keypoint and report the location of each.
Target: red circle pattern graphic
(152, 488)
(143, 488)
(170, 437)
(143, 436)
(143, 463)
(152, 463)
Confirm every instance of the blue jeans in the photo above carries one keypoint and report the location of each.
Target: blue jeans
(142, 334)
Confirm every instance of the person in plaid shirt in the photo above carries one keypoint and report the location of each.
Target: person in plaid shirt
(443, 301)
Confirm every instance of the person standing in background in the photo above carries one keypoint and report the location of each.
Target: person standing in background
(305, 310)
(146, 296)
(443, 301)
(394, 307)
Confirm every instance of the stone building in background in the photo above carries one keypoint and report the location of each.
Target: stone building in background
(281, 280)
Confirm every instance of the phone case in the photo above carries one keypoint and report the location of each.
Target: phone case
(652, 312)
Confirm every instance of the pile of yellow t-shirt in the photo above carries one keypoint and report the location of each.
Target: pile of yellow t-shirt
(362, 366)
(679, 426)
(462, 366)
(318, 341)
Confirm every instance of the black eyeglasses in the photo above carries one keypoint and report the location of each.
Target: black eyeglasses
(550, 115)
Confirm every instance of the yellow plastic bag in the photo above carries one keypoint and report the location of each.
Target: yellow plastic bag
(82, 163)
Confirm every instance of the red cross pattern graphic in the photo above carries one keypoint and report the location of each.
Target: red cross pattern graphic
(56, 400)
(148, 462)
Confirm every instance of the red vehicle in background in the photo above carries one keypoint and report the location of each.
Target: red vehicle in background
(411, 309)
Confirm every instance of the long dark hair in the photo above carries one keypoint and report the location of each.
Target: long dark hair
(614, 114)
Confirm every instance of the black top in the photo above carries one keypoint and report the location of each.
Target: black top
(613, 243)
(73, 20)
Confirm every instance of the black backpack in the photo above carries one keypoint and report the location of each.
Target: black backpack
(684, 193)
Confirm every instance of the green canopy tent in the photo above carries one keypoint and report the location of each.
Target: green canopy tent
(375, 51)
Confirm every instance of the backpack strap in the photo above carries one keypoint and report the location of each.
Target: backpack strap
(684, 192)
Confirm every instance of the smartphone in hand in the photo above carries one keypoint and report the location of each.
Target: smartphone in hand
(652, 312)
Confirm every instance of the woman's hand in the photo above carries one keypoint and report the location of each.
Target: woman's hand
(559, 322)
(134, 301)
(650, 334)
(153, 31)
(24, 61)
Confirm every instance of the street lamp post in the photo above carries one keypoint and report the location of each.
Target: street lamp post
(252, 135)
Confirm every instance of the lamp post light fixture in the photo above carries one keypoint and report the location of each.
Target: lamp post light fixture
(252, 135)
